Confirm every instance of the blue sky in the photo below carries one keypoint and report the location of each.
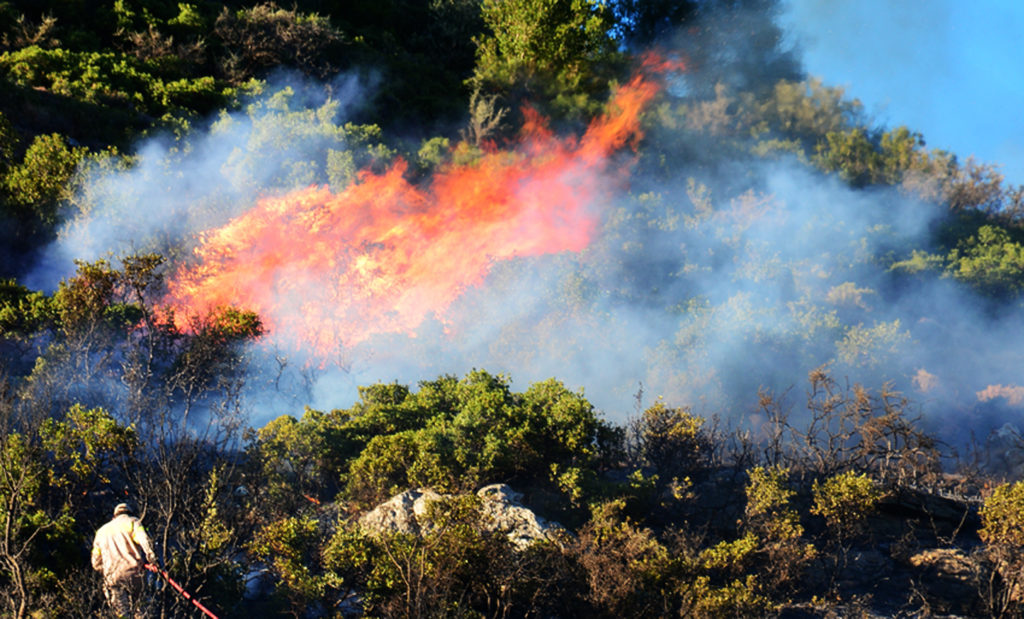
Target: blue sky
(951, 70)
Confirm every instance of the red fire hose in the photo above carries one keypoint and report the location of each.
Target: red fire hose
(181, 590)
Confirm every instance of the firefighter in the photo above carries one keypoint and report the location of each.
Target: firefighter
(121, 550)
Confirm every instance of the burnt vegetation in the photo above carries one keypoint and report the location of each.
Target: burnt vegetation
(838, 496)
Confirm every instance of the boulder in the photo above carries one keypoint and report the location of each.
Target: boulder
(948, 577)
(399, 514)
(501, 506)
(522, 526)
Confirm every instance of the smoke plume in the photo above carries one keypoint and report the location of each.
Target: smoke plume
(555, 256)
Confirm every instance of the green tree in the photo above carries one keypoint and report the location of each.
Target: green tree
(853, 155)
(671, 440)
(113, 81)
(42, 181)
(300, 461)
(45, 479)
(452, 566)
(22, 479)
(293, 548)
(806, 111)
(456, 434)
(990, 261)
(902, 151)
(560, 52)
(23, 312)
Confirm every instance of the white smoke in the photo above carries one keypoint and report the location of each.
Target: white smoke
(703, 287)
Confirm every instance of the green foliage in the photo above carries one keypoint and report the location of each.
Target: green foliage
(739, 598)
(986, 256)
(23, 519)
(8, 144)
(300, 460)
(734, 556)
(1002, 530)
(459, 564)
(44, 485)
(213, 533)
(989, 261)
(672, 440)
(919, 262)
(42, 181)
(274, 130)
(23, 312)
(560, 50)
(462, 433)
(82, 447)
(768, 498)
(110, 79)
(438, 571)
(1002, 516)
(845, 500)
(233, 325)
(629, 571)
(452, 434)
(391, 463)
(853, 155)
(806, 111)
(872, 346)
(83, 302)
(776, 525)
(290, 546)
(902, 151)
(790, 117)
(433, 152)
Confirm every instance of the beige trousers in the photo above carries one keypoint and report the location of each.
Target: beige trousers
(125, 597)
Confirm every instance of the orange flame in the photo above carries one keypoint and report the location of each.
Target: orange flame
(328, 270)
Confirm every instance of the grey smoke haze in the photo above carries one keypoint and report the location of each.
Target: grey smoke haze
(702, 287)
(174, 189)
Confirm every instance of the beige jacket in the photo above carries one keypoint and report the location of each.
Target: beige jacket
(121, 548)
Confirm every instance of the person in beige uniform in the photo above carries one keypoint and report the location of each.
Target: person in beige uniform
(121, 550)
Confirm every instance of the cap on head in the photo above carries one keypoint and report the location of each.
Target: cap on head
(123, 508)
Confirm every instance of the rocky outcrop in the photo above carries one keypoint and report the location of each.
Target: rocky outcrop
(500, 505)
(948, 578)
(402, 513)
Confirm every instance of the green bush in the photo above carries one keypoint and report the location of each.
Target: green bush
(776, 526)
(1002, 530)
(990, 261)
(42, 181)
(845, 500)
(111, 79)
